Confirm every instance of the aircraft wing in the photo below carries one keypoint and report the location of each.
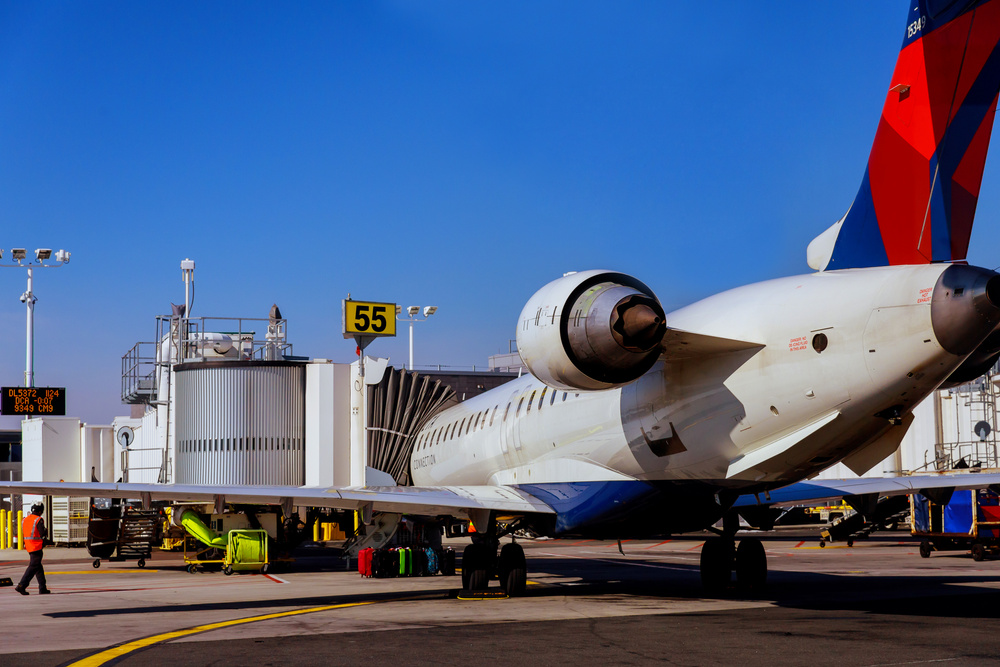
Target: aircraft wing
(420, 500)
(817, 490)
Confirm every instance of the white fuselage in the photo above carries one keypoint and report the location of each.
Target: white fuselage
(766, 415)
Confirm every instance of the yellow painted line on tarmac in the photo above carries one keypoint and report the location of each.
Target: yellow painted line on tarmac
(829, 546)
(116, 652)
(96, 571)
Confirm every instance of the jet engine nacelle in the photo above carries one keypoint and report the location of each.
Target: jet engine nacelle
(591, 330)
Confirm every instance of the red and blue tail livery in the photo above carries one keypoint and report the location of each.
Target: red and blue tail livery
(918, 197)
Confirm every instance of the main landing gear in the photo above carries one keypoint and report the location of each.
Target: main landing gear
(720, 557)
(484, 559)
(480, 562)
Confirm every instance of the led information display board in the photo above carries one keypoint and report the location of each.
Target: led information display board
(39, 401)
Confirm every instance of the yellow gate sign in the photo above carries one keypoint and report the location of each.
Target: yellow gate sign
(366, 318)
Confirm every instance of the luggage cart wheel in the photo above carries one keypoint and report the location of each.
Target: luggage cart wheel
(850, 543)
(142, 562)
(822, 543)
(978, 552)
(97, 563)
(227, 570)
(192, 569)
(264, 568)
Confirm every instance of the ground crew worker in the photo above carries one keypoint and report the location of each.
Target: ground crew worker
(33, 529)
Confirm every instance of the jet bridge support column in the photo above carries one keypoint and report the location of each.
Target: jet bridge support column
(366, 371)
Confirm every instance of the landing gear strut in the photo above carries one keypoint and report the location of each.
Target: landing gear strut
(719, 557)
(481, 562)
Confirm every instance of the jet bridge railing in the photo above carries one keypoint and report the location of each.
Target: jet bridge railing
(200, 338)
(195, 339)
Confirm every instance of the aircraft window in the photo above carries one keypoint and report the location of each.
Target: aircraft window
(468, 429)
(505, 412)
(530, 401)
(541, 399)
(475, 422)
(564, 396)
(519, 404)
(553, 398)
(820, 342)
(460, 427)
(438, 440)
(492, 416)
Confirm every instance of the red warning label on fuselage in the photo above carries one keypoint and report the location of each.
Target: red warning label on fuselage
(796, 344)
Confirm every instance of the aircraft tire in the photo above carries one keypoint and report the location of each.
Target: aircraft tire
(751, 564)
(512, 570)
(716, 563)
(475, 575)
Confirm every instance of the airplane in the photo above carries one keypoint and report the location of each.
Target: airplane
(636, 423)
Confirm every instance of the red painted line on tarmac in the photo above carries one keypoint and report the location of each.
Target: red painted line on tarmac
(615, 543)
(580, 542)
(658, 545)
(799, 544)
(275, 579)
(697, 546)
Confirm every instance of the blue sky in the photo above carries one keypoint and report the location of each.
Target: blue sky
(449, 153)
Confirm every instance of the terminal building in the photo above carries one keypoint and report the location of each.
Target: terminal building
(225, 401)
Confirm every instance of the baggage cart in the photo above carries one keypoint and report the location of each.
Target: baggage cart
(246, 551)
(970, 520)
(121, 532)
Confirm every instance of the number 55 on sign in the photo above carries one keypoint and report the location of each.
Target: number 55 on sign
(365, 318)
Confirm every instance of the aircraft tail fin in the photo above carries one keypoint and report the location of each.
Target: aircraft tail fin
(918, 197)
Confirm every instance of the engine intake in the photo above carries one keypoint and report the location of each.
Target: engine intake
(591, 330)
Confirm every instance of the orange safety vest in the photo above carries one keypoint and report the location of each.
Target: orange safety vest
(32, 532)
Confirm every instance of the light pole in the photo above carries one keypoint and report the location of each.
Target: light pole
(412, 312)
(42, 255)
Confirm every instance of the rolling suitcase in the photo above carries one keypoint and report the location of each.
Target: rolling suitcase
(419, 562)
(365, 562)
(448, 562)
(432, 561)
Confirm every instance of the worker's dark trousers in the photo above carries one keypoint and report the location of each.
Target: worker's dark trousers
(35, 569)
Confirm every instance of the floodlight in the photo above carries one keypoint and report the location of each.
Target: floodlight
(399, 309)
(62, 256)
(42, 254)
(412, 310)
(18, 253)
(1, 253)
(430, 310)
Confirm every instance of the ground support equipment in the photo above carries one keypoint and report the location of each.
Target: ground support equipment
(970, 519)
